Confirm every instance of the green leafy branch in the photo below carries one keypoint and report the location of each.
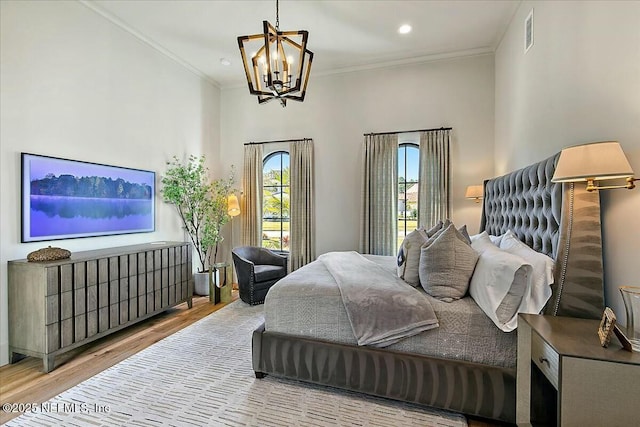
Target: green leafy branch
(201, 205)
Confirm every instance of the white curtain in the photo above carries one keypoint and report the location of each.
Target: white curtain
(379, 216)
(251, 211)
(302, 208)
(434, 192)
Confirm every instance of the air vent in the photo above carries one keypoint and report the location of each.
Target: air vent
(528, 32)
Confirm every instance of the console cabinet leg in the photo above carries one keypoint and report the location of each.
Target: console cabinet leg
(48, 363)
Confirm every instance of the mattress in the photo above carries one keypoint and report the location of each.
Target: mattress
(308, 303)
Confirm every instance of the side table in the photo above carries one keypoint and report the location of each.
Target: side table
(592, 385)
(220, 282)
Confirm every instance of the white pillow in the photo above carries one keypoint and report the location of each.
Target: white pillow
(543, 266)
(500, 283)
(494, 239)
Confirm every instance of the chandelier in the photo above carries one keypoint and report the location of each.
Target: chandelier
(279, 63)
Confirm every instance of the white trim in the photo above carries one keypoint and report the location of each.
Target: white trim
(383, 64)
(149, 42)
(391, 64)
(413, 60)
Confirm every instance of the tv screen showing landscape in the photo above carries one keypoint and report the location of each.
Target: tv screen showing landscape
(64, 199)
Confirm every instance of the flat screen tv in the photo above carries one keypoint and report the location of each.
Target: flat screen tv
(64, 199)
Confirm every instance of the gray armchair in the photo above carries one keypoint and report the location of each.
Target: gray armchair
(258, 269)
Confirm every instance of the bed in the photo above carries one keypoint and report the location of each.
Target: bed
(470, 364)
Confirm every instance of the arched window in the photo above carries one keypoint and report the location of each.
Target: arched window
(275, 201)
(408, 172)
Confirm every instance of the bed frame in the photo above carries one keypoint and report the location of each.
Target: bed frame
(556, 219)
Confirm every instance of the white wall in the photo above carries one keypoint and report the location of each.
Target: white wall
(340, 108)
(76, 86)
(580, 82)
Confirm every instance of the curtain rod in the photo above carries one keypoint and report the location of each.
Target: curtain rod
(405, 131)
(281, 140)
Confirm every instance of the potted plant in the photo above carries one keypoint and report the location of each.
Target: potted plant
(202, 207)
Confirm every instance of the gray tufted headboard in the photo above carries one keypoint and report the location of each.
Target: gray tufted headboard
(558, 220)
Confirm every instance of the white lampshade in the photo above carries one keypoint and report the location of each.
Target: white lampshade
(474, 192)
(596, 161)
(233, 207)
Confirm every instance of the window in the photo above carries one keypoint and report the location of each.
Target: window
(275, 201)
(408, 172)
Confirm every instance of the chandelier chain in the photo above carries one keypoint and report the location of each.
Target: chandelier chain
(277, 15)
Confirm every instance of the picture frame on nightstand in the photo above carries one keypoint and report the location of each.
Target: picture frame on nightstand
(626, 344)
(607, 326)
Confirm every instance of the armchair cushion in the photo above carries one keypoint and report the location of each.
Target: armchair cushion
(268, 272)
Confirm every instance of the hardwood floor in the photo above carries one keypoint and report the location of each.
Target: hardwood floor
(24, 382)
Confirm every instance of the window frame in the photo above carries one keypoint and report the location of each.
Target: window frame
(402, 148)
(281, 219)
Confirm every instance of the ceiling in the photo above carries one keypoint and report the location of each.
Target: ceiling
(343, 35)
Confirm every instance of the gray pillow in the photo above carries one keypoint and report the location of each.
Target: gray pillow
(446, 265)
(464, 233)
(508, 308)
(409, 254)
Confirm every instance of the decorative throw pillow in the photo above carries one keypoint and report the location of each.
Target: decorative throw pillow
(500, 283)
(409, 254)
(542, 276)
(446, 265)
(464, 233)
(426, 234)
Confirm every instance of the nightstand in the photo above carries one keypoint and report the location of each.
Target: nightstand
(561, 359)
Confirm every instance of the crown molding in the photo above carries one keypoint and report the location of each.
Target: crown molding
(340, 70)
(391, 64)
(408, 61)
(148, 41)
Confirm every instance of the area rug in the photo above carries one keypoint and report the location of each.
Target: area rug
(202, 376)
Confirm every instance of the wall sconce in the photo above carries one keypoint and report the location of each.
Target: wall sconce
(475, 192)
(593, 162)
(233, 206)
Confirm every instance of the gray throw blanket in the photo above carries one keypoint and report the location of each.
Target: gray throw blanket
(381, 307)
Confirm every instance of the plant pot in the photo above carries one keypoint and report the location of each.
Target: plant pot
(201, 283)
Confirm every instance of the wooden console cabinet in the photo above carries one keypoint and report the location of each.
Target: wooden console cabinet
(59, 305)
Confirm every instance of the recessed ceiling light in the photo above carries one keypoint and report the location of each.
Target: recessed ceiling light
(404, 29)
(225, 62)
